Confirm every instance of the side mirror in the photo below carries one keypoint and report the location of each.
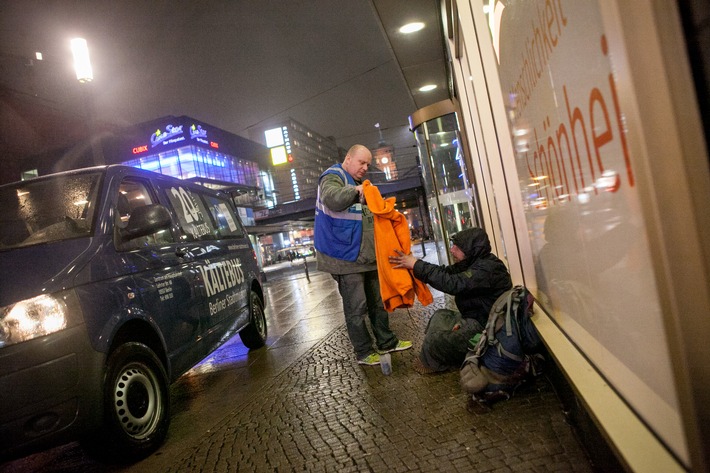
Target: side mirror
(146, 220)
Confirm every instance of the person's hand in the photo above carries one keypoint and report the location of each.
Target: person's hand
(402, 260)
(360, 192)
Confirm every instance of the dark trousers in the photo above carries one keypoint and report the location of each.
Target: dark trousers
(361, 298)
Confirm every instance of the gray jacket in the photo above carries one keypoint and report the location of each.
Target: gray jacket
(337, 196)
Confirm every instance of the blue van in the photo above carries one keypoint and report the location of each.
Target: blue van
(115, 281)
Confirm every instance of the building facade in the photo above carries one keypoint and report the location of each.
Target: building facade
(299, 156)
(582, 132)
(190, 149)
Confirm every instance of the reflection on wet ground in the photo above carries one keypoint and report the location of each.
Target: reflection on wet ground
(300, 312)
(302, 403)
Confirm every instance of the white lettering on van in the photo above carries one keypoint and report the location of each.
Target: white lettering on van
(229, 299)
(221, 275)
(190, 211)
(200, 251)
(216, 306)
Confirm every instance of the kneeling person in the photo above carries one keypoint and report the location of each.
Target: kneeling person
(476, 279)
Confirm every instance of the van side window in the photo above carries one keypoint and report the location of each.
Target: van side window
(131, 195)
(223, 214)
(193, 216)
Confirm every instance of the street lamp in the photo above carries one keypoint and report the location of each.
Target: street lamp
(84, 74)
(82, 64)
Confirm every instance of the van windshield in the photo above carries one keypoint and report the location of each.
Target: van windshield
(49, 209)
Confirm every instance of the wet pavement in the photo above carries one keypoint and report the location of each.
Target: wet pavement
(302, 403)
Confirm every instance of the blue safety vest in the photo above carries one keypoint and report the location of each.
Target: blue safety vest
(338, 234)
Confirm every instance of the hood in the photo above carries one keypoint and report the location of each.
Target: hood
(473, 242)
(41, 269)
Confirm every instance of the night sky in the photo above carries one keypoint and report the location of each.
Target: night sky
(231, 64)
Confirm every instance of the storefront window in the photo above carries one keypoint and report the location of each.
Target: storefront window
(592, 256)
(192, 161)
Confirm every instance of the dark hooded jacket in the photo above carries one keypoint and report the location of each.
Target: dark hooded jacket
(476, 282)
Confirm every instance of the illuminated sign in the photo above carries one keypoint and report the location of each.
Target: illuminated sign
(287, 142)
(196, 131)
(172, 134)
(279, 144)
(198, 134)
(279, 155)
(184, 133)
(274, 138)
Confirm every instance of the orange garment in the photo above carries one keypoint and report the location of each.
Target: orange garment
(398, 286)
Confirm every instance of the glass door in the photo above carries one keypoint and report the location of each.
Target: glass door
(449, 193)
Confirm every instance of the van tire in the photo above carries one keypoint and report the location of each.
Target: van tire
(136, 419)
(254, 335)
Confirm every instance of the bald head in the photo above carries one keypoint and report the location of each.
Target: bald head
(357, 161)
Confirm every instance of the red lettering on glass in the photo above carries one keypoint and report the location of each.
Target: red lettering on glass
(606, 136)
(575, 118)
(560, 135)
(559, 173)
(617, 112)
(560, 15)
(546, 176)
(550, 16)
(214, 144)
(140, 149)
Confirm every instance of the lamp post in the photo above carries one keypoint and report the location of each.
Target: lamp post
(82, 64)
(84, 74)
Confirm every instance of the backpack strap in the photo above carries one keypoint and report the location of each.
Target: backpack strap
(510, 309)
(507, 354)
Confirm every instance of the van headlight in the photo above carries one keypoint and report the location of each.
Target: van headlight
(34, 318)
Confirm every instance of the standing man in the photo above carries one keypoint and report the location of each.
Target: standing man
(345, 240)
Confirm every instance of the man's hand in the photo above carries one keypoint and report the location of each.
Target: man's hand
(402, 260)
(361, 197)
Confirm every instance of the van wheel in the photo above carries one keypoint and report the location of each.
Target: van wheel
(136, 403)
(254, 335)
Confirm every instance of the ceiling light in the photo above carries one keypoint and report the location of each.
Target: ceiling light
(427, 88)
(411, 27)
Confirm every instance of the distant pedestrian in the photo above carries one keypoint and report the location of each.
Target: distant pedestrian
(344, 239)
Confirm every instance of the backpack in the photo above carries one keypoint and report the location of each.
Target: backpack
(506, 352)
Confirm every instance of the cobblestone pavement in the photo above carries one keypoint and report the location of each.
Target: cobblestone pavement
(327, 413)
(302, 403)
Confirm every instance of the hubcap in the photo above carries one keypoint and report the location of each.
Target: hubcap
(259, 319)
(136, 402)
